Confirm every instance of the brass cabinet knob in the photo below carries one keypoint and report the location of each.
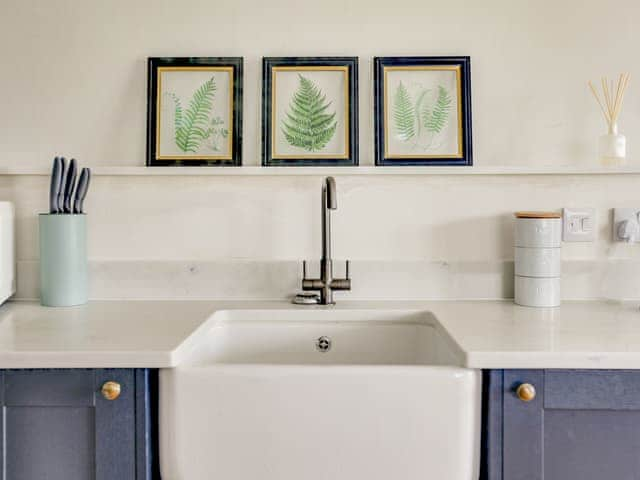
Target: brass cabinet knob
(526, 392)
(111, 390)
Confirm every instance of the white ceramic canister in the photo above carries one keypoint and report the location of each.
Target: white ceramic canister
(541, 231)
(537, 255)
(537, 262)
(537, 292)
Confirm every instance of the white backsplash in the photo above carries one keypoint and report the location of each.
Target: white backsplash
(408, 237)
(372, 280)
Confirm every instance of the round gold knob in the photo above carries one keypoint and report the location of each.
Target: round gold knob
(526, 392)
(111, 390)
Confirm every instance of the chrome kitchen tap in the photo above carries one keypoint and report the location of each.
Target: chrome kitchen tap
(326, 284)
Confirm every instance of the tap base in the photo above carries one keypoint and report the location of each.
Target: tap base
(306, 299)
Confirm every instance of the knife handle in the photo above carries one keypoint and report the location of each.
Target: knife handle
(81, 190)
(54, 190)
(71, 182)
(63, 176)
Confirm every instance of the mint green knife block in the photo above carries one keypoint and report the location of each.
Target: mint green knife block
(63, 260)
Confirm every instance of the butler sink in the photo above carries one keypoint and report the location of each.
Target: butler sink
(322, 394)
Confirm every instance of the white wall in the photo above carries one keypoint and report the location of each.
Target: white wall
(73, 81)
(74, 75)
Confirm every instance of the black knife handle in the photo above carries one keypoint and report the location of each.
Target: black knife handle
(54, 190)
(63, 177)
(81, 190)
(71, 182)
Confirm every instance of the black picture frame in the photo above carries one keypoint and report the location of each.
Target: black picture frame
(234, 65)
(464, 157)
(269, 66)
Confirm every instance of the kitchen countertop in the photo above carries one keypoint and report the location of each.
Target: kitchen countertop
(156, 334)
(100, 334)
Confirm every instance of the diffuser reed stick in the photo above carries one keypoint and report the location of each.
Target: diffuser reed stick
(613, 98)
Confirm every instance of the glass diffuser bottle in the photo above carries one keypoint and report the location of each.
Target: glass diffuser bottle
(612, 147)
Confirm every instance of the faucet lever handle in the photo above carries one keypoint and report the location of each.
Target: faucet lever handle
(346, 268)
(304, 269)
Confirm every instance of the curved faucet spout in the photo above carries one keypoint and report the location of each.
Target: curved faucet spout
(329, 202)
(326, 284)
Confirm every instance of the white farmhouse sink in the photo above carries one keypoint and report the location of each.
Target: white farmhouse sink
(262, 398)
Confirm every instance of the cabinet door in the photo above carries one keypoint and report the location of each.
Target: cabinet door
(57, 425)
(582, 424)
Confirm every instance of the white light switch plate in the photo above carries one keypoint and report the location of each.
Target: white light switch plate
(579, 224)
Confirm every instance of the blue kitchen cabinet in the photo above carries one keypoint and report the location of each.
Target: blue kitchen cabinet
(58, 425)
(581, 424)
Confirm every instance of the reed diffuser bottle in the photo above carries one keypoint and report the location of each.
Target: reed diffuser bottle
(613, 145)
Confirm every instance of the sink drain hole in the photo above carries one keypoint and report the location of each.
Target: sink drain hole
(323, 344)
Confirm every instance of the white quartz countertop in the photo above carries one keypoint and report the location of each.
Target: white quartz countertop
(104, 334)
(156, 334)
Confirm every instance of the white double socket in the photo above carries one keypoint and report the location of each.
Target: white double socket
(579, 224)
(626, 225)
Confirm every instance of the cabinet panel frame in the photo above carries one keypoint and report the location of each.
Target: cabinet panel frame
(509, 423)
(125, 429)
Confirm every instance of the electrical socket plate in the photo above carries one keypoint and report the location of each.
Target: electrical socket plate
(579, 224)
(621, 215)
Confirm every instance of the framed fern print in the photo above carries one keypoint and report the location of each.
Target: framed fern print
(309, 111)
(422, 110)
(194, 111)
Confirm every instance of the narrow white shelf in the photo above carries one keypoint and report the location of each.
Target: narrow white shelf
(336, 171)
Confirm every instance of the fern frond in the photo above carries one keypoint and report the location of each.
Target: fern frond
(307, 125)
(421, 108)
(177, 118)
(439, 116)
(425, 115)
(192, 125)
(403, 113)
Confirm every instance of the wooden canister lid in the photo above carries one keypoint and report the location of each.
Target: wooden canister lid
(538, 215)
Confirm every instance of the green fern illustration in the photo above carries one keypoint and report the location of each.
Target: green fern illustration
(192, 125)
(436, 119)
(421, 110)
(177, 118)
(403, 113)
(217, 134)
(307, 124)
